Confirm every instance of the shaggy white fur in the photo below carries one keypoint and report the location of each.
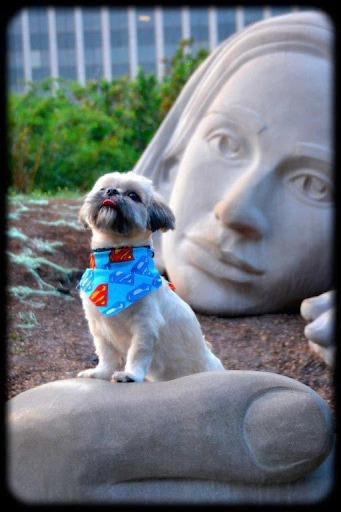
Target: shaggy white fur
(158, 336)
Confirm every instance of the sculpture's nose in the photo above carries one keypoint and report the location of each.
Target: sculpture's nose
(242, 209)
(111, 192)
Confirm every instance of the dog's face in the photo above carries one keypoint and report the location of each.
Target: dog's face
(125, 205)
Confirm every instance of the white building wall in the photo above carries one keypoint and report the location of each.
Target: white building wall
(159, 43)
(80, 61)
(212, 27)
(106, 43)
(132, 37)
(51, 19)
(26, 45)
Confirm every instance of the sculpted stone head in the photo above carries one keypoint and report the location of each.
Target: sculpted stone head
(244, 159)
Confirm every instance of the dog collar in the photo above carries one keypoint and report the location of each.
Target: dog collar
(119, 277)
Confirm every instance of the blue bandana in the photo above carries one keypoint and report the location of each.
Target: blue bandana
(119, 277)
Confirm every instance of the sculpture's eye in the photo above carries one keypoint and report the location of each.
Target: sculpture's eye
(312, 187)
(225, 144)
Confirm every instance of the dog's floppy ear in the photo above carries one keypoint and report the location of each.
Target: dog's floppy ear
(160, 216)
(81, 217)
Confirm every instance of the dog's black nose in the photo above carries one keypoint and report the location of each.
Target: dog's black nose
(111, 192)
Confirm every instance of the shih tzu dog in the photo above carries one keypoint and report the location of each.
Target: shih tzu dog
(133, 313)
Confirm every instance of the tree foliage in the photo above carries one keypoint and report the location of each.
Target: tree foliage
(65, 137)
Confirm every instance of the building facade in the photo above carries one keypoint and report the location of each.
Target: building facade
(94, 42)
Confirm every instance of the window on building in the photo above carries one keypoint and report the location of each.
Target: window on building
(172, 34)
(39, 43)
(67, 58)
(119, 42)
(306, 8)
(14, 42)
(226, 19)
(120, 56)
(15, 79)
(40, 63)
(93, 55)
(66, 42)
(252, 14)
(120, 70)
(278, 11)
(146, 56)
(68, 72)
(199, 27)
(15, 64)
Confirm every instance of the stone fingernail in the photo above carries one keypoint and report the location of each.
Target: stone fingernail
(286, 428)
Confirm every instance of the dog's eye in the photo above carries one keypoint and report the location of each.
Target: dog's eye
(134, 196)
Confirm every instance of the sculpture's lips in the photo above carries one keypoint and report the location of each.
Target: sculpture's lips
(109, 202)
(224, 264)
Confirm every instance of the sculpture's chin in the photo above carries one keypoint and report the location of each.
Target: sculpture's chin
(221, 297)
(212, 285)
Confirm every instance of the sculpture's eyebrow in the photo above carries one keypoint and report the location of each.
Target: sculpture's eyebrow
(241, 116)
(315, 151)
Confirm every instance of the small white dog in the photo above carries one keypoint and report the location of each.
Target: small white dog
(132, 311)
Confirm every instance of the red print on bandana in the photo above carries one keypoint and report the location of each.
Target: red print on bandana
(100, 295)
(92, 263)
(123, 254)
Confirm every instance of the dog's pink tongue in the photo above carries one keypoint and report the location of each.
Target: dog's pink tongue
(109, 202)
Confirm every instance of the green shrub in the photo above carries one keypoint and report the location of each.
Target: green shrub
(66, 140)
(178, 71)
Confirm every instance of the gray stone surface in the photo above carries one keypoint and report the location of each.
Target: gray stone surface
(310, 489)
(207, 436)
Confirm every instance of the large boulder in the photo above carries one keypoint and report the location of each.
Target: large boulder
(231, 436)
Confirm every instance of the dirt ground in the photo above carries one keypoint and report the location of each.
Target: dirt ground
(48, 337)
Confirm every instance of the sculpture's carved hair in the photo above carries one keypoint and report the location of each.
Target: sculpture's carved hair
(305, 32)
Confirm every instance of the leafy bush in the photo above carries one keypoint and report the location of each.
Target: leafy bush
(66, 140)
(178, 71)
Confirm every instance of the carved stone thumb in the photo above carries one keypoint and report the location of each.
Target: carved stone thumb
(79, 439)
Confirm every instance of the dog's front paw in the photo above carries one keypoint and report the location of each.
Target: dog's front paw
(125, 377)
(94, 373)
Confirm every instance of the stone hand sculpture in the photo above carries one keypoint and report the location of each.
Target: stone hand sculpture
(234, 436)
(244, 159)
(320, 313)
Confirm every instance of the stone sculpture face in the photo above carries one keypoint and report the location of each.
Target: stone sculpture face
(253, 193)
(252, 182)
